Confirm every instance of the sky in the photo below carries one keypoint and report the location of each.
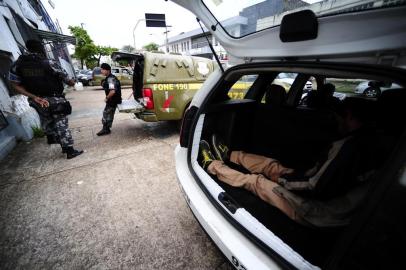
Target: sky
(111, 22)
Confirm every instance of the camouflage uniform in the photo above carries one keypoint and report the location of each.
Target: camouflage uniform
(55, 125)
(111, 83)
(108, 115)
(44, 78)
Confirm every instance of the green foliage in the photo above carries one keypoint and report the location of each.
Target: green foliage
(103, 50)
(151, 47)
(85, 49)
(38, 132)
(91, 63)
(123, 63)
(128, 49)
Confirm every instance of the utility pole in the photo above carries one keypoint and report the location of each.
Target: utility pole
(166, 37)
(135, 27)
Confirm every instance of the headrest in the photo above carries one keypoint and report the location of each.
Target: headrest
(391, 97)
(275, 95)
(391, 107)
(327, 89)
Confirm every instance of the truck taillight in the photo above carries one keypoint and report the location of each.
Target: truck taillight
(148, 98)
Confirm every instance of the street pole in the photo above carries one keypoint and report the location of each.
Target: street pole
(135, 27)
(166, 37)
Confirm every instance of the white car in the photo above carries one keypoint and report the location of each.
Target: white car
(341, 39)
(286, 80)
(374, 88)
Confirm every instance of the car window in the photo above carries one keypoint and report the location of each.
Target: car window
(240, 88)
(272, 93)
(344, 85)
(285, 80)
(284, 75)
(125, 71)
(97, 71)
(115, 70)
(241, 18)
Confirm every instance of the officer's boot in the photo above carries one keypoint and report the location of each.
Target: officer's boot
(105, 130)
(71, 152)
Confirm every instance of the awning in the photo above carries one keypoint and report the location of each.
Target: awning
(55, 37)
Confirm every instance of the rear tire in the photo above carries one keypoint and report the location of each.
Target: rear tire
(372, 92)
(90, 83)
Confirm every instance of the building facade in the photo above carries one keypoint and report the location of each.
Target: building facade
(21, 20)
(195, 43)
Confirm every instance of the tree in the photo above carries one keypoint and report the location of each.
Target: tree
(85, 48)
(103, 50)
(151, 47)
(128, 48)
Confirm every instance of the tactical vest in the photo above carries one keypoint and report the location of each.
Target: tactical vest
(37, 76)
(116, 98)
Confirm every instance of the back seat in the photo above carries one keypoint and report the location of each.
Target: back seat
(296, 137)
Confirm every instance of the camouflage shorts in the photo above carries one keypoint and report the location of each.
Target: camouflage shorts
(55, 125)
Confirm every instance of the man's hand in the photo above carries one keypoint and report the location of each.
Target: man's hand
(42, 101)
(71, 82)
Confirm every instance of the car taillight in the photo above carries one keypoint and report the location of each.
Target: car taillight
(187, 125)
(148, 98)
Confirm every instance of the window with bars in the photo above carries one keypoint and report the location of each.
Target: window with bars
(3, 121)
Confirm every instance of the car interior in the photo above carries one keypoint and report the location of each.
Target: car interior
(295, 131)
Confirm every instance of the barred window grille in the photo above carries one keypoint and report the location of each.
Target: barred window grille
(3, 121)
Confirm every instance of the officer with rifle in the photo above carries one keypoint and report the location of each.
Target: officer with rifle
(41, 80)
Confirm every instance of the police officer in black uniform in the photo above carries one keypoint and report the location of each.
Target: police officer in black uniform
(41, 80)
(112, 89)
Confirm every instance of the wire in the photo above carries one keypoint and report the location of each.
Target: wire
(211, 47)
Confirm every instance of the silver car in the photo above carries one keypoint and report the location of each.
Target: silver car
(374, 88)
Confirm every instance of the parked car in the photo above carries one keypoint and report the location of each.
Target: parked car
(374, 88)
(86, 78)
(123, 74)
(286, 80)
(349, 41)
(80, 71)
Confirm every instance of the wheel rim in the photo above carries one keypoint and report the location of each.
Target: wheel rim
(371, 92)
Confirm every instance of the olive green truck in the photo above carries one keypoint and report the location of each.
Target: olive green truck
(163, 84)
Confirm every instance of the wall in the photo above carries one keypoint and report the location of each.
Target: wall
(19, 115)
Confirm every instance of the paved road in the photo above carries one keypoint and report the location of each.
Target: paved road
(118, 206)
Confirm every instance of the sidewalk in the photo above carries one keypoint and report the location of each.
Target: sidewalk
(116, 206)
